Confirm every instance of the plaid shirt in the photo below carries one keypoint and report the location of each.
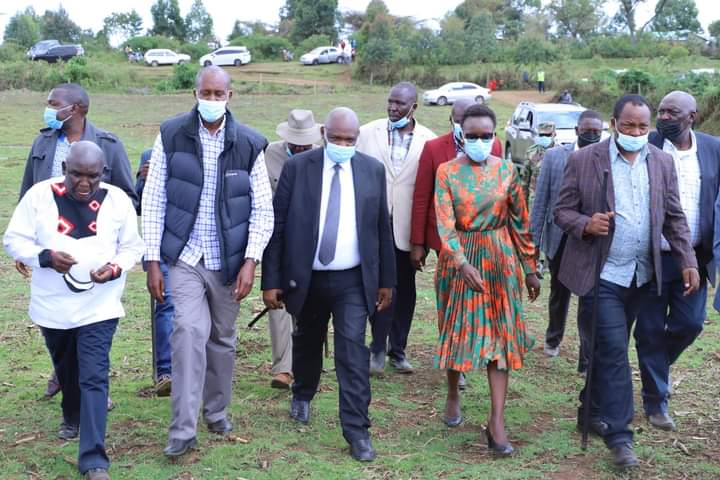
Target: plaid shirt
(62, 148)
(399, 147)
(203, 242)
(687, 168)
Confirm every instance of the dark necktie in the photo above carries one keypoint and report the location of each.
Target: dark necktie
(326, 254)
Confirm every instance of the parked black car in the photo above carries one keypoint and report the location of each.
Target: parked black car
(51, 51)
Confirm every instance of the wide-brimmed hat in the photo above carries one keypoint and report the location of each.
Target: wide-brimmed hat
(300, 128)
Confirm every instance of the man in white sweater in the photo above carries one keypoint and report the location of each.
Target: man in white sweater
(80, 237)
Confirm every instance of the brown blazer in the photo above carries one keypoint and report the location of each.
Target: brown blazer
(579, 199)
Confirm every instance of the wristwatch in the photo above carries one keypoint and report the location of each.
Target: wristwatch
(256, 261)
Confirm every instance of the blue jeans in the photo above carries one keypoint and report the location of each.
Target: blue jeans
(612, 395)
(163, 327)
(666, 326)
(81, 357)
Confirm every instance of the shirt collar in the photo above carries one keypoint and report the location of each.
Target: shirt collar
(669, 147)
(329, 164)
(616, 156)
(219, 131)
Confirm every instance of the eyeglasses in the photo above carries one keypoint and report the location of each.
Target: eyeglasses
(484, 136)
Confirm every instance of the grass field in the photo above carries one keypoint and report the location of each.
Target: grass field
(412, 442)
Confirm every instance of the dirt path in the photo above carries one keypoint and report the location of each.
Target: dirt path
(513, 97)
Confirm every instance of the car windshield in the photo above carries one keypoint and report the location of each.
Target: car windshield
(46, 44)
(317, 50)
(561, 119)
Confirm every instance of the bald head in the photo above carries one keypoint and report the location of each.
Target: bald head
(676, 116)
(83, 169)
(683, 99)
(405, 89)
(342, 127)
(459, 107)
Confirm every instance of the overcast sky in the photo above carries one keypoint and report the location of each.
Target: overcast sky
(90, 14)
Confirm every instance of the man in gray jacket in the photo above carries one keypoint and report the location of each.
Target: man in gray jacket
(549, 237)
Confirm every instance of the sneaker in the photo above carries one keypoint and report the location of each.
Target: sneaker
(551, 351)
(96, 474)
(377, 363)
(163, 386)
(402, 365)
(68, 431)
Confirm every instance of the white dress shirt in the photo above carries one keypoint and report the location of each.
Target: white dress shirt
(34, 228)
(347, 249)
(687, 168)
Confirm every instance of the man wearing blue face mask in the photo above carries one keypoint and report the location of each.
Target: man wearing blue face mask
(643, 206)
(331, 253)
(397, 141)
(207, 212)
(534, 156)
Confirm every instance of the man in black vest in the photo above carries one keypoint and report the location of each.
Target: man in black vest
(207, 212)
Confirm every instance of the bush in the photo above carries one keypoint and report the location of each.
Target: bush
(195, 50)
(183, 78)
(313, 41)
(678, 52)
(143, 44)
(10, 52)
(264, 47)
(635, 81)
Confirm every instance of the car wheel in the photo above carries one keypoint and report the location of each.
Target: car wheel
(207, 63)
(238, 62)
(316, 62)
(442, 101)
(480, 99)
(154, 63)
(181, 62)
(340, 59)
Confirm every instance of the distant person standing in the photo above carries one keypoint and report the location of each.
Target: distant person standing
(541, 81)
(565, 97)
(534, 157)
(299, 134)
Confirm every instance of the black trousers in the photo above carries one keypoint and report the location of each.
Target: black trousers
(391, 327)
(342, 295)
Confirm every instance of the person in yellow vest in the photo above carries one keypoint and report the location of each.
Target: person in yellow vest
(541, 81)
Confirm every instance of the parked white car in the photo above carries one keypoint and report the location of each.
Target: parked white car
(451, 92)
(323, 55)
(227, 56)
(163, 56)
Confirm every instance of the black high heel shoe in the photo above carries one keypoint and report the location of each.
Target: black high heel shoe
(502, 450)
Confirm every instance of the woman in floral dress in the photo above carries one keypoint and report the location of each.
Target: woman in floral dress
(486, 252)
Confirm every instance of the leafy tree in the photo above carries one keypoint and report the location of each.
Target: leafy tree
(167, 20)
(378, 50)
(714, 29)
(452, 38)
(58, 25)
(198, 23)
(531, 51)
(509, 15)
(677, 15)
(310, 17)
(126, 25)
(626, 16)
(23, 28)
(242, 29)
(577, 18)
(480, 41)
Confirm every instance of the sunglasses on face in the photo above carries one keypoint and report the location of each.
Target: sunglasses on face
(484, 136)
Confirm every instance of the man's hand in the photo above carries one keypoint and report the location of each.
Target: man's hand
(143, 173)
(104, 274)
(245, 279)
(472, 277)
(533, 286)
(599, 224)
(691, 281)
(383, 299)
(155, 282)
(273, 298)
(418, 253)
(22, 269)
(61, 261)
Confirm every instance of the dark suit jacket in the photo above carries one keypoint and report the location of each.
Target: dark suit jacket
(708, 152)
(291, 251)
(424, 222)
(580, 198)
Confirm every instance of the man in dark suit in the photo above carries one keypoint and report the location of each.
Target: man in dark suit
(548, 236)
(668, 324)
(643, 205)
(332, 253)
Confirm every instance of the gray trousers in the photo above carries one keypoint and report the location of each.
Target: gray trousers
(281, 328)
(203, 347)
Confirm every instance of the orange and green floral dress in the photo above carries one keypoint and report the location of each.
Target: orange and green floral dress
(482, 220)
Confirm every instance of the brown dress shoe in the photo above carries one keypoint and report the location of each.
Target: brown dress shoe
(282, 381)
(163, 386)
(53, 386)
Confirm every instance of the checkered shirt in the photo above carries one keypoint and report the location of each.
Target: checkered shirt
(62, 148)
(399, 147)
(687, 168)
(203, 242)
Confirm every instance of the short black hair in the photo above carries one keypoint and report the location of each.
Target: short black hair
(592, 114)
(479, 110)
(406, 86)
(632, 98)
(74, 94)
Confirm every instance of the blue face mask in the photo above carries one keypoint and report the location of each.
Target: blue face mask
(211, 111)
(544, 142)
(478, 150)
(397, 124)
(457, 132)
(630, 143)
(288, 151)
(339, 153)
(51, 120)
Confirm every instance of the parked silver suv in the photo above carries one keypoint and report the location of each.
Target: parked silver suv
(521, 130)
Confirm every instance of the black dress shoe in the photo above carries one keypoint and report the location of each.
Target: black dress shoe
(300, 411)
(504, 450)
(176, 448)
(362, 450)
(624, 456)
(663, 421)
(221, 426)
(68, 431)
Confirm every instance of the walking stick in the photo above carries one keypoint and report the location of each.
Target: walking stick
(593, 326)
(153, 334)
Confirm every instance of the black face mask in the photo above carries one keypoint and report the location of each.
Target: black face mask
(670, 129)
(585, 139)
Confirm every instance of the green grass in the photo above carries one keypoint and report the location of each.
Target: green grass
(411, 441)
